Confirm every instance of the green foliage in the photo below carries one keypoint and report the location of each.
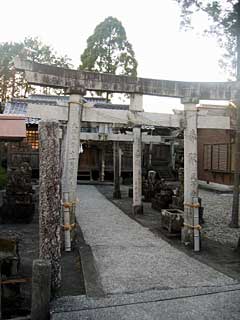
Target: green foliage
(12, 84)
(223, 23)
(109, 51)
(3, 178)
(36, 51)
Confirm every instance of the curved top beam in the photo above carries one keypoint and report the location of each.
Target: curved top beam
(56, 77)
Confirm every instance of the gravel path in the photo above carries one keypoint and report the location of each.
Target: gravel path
(217, 215)
(129, 258)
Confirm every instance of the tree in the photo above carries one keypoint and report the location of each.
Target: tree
(7, 77)
(223, 18)
(225, 25)
(108, 50)
(12, 84)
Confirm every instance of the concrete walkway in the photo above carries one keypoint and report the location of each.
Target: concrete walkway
(138, 268)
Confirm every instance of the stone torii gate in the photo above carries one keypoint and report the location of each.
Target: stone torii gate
(77, 82)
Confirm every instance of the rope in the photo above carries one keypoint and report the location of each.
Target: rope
(68, 226)
(196, 227)
(69, 205)
(191, 205)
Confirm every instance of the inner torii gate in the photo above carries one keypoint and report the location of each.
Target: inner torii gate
(77, 82)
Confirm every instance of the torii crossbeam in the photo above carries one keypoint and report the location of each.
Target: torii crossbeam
(56, 77)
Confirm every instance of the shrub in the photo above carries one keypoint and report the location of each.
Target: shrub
(3, 178)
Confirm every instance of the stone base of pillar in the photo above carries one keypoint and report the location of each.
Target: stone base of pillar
(137, 209)
(187, 236)
(117, 194)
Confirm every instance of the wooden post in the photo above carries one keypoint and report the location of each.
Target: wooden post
(116, 191)
(190, 167)
(102, 172)
(41, 289)
(49, 198)
(137, 171)
(150, 155)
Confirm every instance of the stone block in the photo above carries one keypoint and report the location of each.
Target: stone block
(9, 256)
(172, 220)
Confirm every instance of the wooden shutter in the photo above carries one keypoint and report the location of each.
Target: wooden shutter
(215, 157)
(223, 157)
(207, 157)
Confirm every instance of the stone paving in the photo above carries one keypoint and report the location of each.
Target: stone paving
(176, 304)
(129, 258)
(217, 216)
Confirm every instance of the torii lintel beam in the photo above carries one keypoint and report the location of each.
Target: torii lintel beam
(56, 77)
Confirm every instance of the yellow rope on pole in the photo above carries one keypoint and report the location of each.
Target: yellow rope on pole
(191, 205)
(69, 226)
(70, 204)
(197, 226)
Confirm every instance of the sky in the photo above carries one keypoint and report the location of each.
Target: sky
(152, 27)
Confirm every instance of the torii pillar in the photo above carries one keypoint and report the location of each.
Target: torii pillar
(72, 146)
(116, 157)
(190, 168)
(136, 105)
(102, 171)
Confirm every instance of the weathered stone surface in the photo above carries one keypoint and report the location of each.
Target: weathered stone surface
(65, 78)
(49, 198)
(206, 120)
(190, 169)
(71, 149)
(72, 145)
(41, 289)
(137, 171)
(136, 102)
(172, 220)
(18, 204)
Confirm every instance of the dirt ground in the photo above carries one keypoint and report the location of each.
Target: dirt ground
(27, 235)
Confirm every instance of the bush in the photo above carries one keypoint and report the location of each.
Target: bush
(3, 178)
